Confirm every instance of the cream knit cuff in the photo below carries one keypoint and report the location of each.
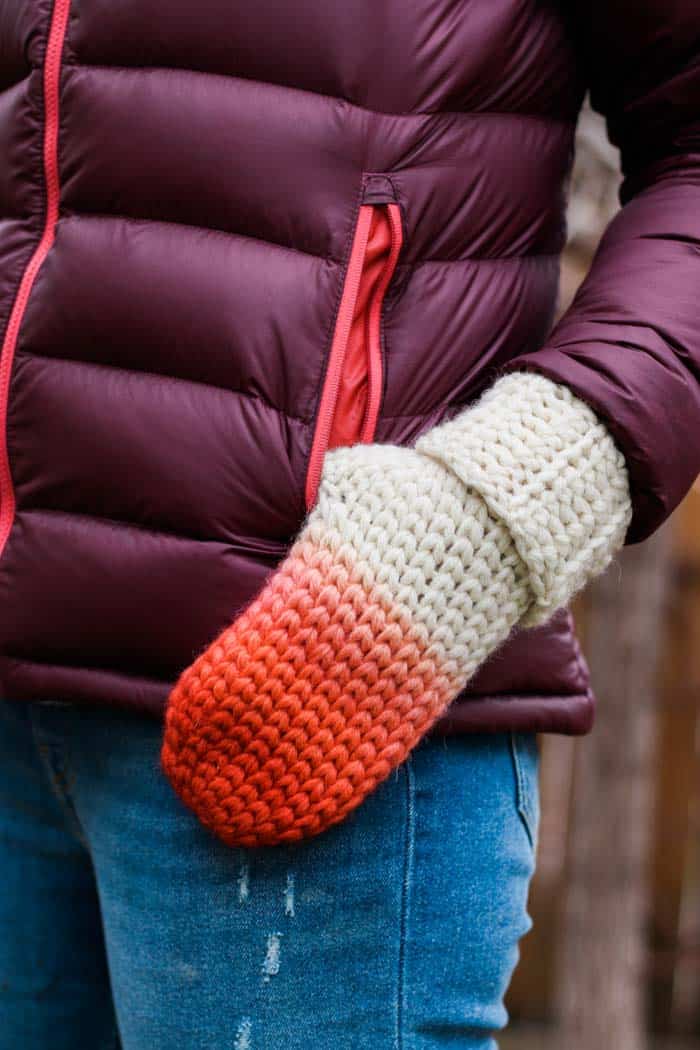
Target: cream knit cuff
(548, 468)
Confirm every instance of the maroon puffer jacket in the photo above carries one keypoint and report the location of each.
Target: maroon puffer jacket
(179, 189)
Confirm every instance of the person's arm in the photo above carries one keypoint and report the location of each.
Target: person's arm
(415, 564)
(629, 345)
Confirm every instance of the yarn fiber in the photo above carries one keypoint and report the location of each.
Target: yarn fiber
(403, 580)
(548, 467)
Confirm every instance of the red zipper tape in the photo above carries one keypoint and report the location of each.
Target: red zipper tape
(375, 365)
(336, 357)
(344, 320)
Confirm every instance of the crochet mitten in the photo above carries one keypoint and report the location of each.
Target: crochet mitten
(412, 567)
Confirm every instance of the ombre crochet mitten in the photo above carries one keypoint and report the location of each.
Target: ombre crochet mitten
(412, 567)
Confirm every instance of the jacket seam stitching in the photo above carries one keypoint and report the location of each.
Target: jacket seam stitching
(153, 531)
(545, 118)
(166, 378)
(537, 256)
(105, 216)
(76, 214)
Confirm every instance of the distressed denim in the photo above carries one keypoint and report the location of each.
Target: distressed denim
(123, 923)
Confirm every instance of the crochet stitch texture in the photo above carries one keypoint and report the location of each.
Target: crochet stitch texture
(413, 566)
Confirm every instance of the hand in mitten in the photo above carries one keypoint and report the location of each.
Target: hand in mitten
(412, 567)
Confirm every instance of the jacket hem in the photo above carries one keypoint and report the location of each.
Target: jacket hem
(33, 681)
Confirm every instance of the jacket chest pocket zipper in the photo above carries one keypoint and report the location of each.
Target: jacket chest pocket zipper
(352, 387)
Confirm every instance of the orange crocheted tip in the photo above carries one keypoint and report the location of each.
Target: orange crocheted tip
(302, 707)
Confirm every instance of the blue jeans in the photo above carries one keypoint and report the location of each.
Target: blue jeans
(123, 923)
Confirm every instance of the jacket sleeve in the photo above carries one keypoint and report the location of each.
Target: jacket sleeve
(629, 345)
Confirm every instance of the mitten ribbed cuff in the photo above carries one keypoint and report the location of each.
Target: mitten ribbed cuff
(548, 468)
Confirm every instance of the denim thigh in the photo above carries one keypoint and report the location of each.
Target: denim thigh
(54, 983)
(396, 930)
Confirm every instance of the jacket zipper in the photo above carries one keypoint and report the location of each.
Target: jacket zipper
(52, 79)
(352, 388)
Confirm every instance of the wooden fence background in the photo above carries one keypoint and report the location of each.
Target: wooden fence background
(669, 886)
(672, 971)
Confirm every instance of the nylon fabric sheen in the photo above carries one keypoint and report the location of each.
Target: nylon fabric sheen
(163, 388)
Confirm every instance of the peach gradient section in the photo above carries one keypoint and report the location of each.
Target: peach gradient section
(302, 707)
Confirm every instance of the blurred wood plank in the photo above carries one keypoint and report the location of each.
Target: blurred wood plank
(675, 928)
(601, 968)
